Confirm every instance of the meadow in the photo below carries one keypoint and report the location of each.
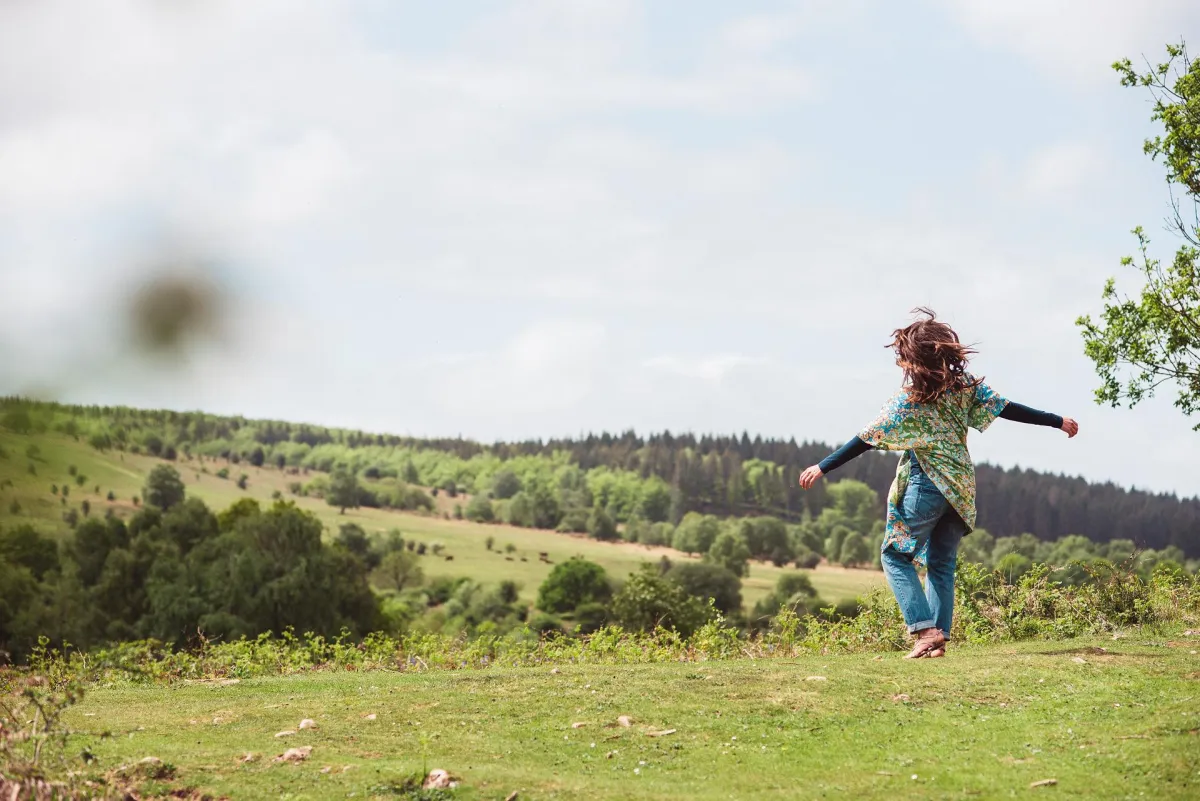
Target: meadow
(124, 475)
(1095, 718)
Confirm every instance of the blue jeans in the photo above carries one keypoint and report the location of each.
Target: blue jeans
(930, 518)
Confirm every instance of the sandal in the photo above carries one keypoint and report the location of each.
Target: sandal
(929, 642)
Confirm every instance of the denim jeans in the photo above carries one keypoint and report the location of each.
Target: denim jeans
(930, 518)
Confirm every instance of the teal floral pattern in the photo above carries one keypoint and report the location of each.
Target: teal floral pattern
(936, 435)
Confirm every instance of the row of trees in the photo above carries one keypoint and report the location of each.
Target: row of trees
(656, 478)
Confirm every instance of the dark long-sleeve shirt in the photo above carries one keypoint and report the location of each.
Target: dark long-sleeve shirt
(1014, 411)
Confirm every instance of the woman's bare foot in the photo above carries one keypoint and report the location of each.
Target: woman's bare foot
(928, 641)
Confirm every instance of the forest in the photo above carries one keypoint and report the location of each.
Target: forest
(656, 478)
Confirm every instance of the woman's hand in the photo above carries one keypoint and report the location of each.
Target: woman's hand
(1069, 425)
(810, 476)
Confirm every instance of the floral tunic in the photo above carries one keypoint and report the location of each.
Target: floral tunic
(936, 434)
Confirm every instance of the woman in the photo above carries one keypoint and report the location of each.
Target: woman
(931, 505)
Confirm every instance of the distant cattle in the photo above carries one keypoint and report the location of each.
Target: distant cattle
(449, 558)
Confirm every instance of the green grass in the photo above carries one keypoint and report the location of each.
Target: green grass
(124, 474)
(984, 723)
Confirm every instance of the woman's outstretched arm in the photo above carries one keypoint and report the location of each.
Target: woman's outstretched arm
(1021, 413)
(854, 447)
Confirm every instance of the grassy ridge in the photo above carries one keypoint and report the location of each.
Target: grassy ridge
(124, 474)
(986, 722)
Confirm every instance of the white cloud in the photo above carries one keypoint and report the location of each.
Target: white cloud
(1062, 171)
(1077, 40)
(714, 369)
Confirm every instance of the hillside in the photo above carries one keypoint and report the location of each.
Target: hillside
(720, 475)
(124, 474)
(1093, 719)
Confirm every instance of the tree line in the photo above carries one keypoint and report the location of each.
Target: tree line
(719, 475)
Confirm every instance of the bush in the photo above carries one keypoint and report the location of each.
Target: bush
(794, 592)
(574, 521)
(709, 581)
(590, 617)
(519, 511)
(112, 496)
(855, 551)
(730, 552)
(223, 473)
(1013, 565)
(601, 526)
(808, 560)
(545, 624)
(571, 584)
(648, 601)
(243, 481)
(479, 510)
(490, 542)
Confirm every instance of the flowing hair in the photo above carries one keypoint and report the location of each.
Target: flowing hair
(933, 359)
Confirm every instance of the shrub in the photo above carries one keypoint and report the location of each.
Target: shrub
(808, 560)
(729, 550)
(519, 511)
(709, 581)
(243, 481)
(112, 496)
(648, 601)
(601, 526)
(14, 508)
(590, 617)
(574, 521)
(1013, 565)
(490, 542)
(85, 507)
(572, 583)
(794, 593)
(545, 624)
(223, 473)
(479, 510)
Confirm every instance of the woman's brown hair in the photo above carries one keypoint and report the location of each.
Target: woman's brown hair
(933, 359)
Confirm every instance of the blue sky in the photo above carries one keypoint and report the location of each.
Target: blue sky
(514, 219)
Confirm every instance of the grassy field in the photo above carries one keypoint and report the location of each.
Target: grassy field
(1103, 718)
(124, 475)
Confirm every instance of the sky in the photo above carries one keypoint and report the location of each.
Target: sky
(548, 217)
